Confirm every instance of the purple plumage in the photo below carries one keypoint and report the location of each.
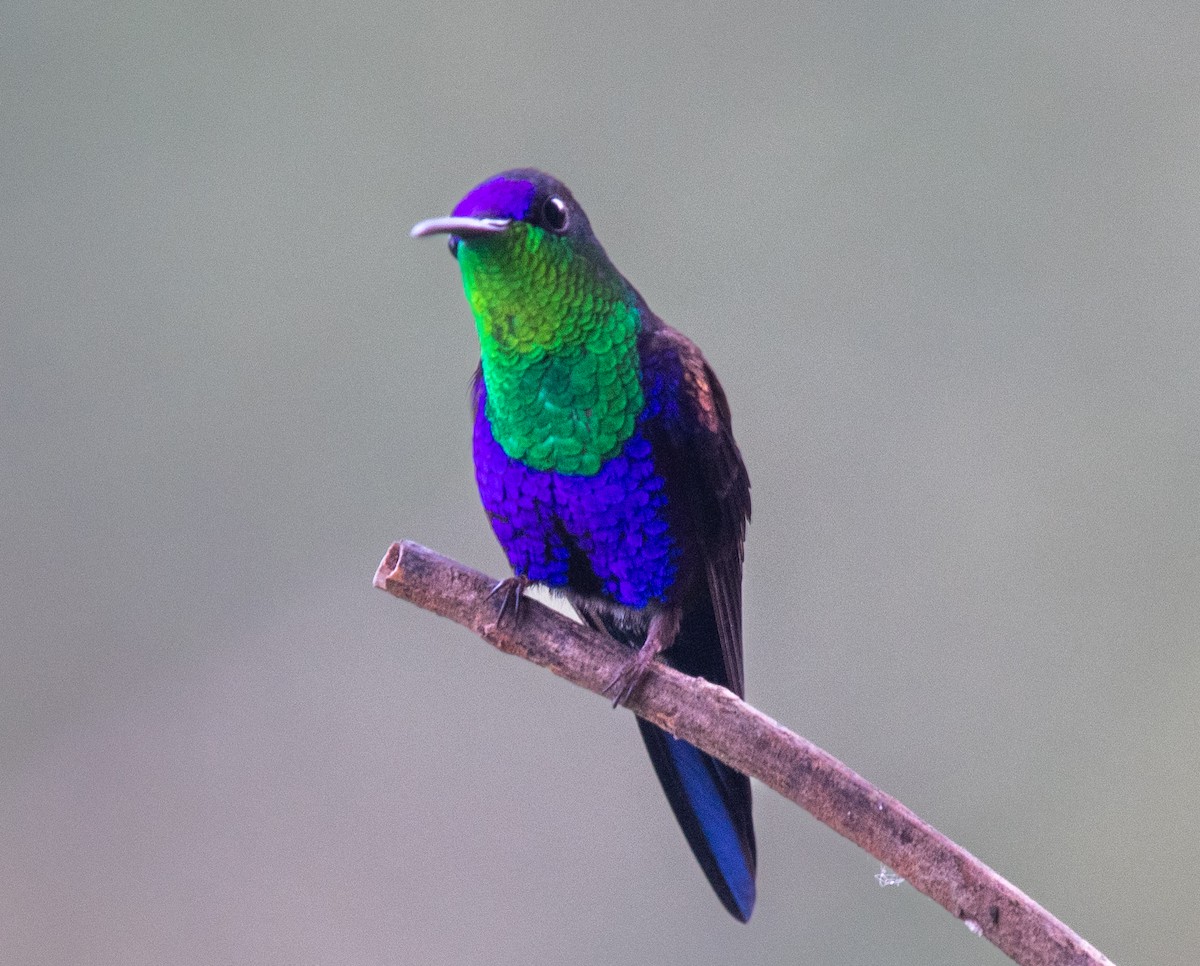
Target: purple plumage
(500, 197)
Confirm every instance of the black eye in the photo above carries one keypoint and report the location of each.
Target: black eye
(554, 214)
(452, 244)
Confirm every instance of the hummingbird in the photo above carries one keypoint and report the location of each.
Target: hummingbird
(606, 464)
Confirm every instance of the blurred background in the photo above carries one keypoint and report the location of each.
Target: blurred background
(946, 260)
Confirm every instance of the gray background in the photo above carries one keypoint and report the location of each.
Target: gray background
(945, 259)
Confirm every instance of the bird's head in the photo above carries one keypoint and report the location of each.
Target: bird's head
(531, 265)
(522, 202)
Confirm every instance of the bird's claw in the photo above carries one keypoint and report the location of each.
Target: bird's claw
(628, 678)
(512, 588)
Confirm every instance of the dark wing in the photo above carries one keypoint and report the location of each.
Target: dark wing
(711, 483)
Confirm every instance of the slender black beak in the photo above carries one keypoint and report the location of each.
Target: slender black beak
(463, 227)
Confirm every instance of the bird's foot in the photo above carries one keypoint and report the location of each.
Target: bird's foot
(660, 635)
(630, 676)
(512, 588)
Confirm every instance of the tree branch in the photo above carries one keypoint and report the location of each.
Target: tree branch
(716, 721)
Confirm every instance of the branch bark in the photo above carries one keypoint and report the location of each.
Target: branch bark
(716, 721)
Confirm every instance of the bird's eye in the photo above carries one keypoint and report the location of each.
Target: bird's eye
(452, 244)
(554, 214)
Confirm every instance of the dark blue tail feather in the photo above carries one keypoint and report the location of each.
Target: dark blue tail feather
(712, 804)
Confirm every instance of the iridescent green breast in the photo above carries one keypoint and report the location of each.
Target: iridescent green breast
(558, 338)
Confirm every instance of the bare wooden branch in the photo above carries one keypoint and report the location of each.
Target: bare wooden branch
(717, 722)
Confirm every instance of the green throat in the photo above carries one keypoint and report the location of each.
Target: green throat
(558, 338)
